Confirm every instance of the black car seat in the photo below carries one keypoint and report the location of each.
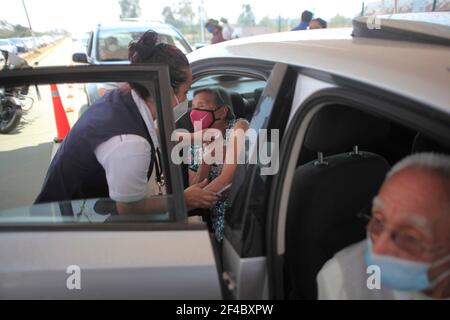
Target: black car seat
(240, 105)
(328, 193)
(253, 103)
(257, 94)
(423, 143)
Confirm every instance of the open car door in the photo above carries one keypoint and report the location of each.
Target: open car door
(77, 250)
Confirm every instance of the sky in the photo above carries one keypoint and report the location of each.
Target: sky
(83, 15)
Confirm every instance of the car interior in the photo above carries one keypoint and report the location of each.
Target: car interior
(344, 159)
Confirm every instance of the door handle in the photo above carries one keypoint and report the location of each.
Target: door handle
(231, 284)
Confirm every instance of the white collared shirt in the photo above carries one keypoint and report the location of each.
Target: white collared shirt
(126, 159)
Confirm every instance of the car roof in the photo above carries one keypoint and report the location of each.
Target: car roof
(415, 70)
(136, 25)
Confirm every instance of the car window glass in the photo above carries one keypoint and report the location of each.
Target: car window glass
(242, 85)
(244, 92)
(179, 44)
(45, 113)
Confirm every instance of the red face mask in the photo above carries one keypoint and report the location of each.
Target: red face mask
(204, 117)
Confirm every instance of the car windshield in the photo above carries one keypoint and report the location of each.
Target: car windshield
(113, 44)
(4, 42)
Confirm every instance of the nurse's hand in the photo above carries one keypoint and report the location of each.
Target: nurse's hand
(201, 136)
(196, 197)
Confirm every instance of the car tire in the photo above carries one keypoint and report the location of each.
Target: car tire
(12, 122)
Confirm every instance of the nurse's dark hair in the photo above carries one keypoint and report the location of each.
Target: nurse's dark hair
(150, 49)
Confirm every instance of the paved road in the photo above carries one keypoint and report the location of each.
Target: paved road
(25, 153)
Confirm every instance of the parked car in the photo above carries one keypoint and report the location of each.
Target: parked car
(338, 101)
(19, 44)
(6, 44)
(29, 43)
(97, 52)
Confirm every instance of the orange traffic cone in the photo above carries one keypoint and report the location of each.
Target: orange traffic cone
(62, 124)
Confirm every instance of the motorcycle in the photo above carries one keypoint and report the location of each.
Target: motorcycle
(11, 99)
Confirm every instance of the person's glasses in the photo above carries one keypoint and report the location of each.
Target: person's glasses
(405, 242)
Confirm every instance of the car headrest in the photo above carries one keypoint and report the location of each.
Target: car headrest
(423, 143)
(337, 129)
(257, 94)
(239, 105)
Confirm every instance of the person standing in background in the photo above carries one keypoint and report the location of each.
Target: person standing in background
(305, 20)
(213, 27)
(318, 24)
(227, 30)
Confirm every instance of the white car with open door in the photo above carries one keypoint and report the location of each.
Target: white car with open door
(339, 110)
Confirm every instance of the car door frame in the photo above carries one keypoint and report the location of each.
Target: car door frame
(194, 265)
(365, 97)
(245, 277)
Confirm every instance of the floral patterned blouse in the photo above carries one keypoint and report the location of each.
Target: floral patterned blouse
(218, 210)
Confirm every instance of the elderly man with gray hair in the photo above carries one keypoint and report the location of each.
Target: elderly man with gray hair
(407, 251)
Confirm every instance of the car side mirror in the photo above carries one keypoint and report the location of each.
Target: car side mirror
(80, 58)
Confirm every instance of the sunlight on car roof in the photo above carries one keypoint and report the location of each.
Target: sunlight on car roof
(441, 18)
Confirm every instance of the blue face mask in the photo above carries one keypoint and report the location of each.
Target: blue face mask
(210, 29)
(404, 275)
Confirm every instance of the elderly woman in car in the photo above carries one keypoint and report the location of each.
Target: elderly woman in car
(408, 239)
(209, 111)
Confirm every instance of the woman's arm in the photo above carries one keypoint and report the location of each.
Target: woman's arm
(198, 170)
(201, 174)
(235, 147)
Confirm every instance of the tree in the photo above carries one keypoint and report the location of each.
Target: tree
(8, 30)
(130, 8)
(339, 21)
(246, 18)
(185, 12)
(169, 18)
(279, 24)
(266, 22)
(22, 31)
